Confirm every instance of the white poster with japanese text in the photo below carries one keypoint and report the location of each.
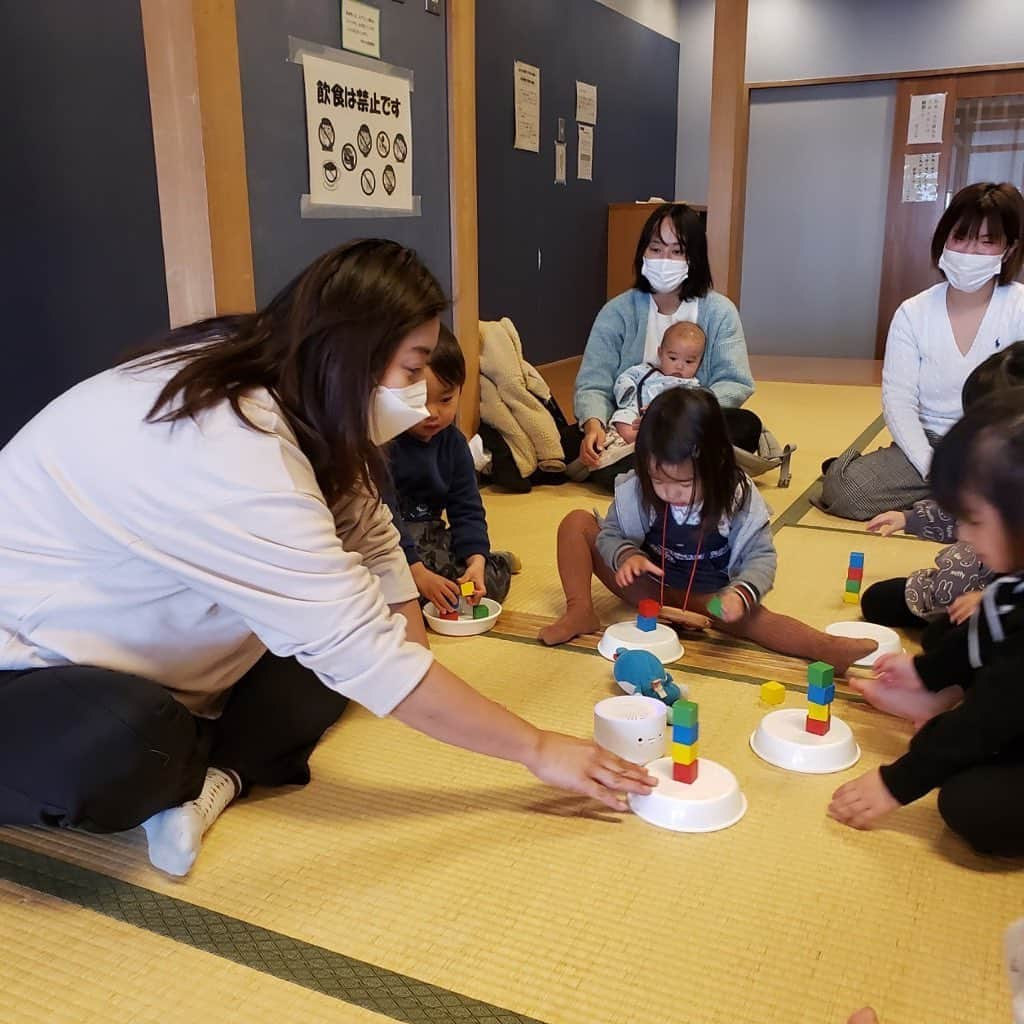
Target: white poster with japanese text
(359, 128)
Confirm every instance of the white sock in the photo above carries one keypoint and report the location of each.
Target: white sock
(1014, 946)
(176, 834)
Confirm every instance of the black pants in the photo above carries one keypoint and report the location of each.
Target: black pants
(744, 429)
(885, 603)
(103, 751)
(983, 805)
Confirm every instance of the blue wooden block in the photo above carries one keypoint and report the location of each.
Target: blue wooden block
(645, 624)
(687, 734)
(856, 559)
(821, 694)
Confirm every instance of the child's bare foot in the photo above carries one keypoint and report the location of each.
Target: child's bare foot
(847, 651)
(864, 1016)
(917, 706)
(575, 622)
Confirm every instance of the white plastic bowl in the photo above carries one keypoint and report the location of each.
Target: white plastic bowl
(782, 740)
(633, 727)
(462, 627)
(663, 642)
(888, 639)
(713, 802)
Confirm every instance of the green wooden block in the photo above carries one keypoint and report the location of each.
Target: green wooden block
(480, 611)
(853, 586)
(820, 674)
(715, 607)
(684, 712)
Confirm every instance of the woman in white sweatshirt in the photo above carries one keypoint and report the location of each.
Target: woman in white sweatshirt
(168, 523)
(936, 339)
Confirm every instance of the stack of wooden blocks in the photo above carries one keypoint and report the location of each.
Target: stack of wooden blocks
(685, 732)
(854, 577)
(821, 691)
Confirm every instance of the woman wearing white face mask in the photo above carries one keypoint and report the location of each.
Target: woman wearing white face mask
(936, 339)
(167, 523)
(673, 283)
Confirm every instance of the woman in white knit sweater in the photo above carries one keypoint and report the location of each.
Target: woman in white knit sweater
(936, 339)
(197, 572)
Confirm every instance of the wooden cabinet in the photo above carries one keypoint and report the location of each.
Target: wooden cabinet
(625, 222)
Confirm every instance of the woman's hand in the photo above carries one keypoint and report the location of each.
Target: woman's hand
(963, 607)
(443, 594)
(733, 608)
(593, 443)
(475, 574)
(888, 523)
(633, 568)
(581, 766)
(862, 802)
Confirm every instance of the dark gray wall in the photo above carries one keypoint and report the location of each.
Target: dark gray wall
(817, 179)
(81, 272)
(521, 211)
(273, 108)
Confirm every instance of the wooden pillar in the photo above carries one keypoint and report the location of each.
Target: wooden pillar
(730, 115)
(461, 15)
(196, 105)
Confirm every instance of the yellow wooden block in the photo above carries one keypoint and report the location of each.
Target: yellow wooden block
(467, 589)
(684, 753)
(851, 598)
(773, 693)
(819, 712)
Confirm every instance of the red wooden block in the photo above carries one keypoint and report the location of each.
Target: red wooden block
(648, 608)
(818, 728)
(855, 574)
(449, 616)
(685, 772)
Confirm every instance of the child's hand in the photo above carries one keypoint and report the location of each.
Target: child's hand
(475, 574)
(963, 607)
(633, 568)
(733, 608)
(628, 431)
(888, 523)
(898, 671)
(444, 594)
(862, 802)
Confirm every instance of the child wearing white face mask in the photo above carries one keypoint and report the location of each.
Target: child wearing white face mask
(937, 339)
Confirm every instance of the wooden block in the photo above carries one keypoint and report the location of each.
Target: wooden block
(649, 608)
(685, 772)
(451, 616)
(820, 673)
(646, 624)
(773, 693)
(481, 611)
(715, 607)
(856, 559)
(851, 598)
(684, 753)
(820, 712)
(855, 574)
(684, 712)
(686, 734)
(818, 728)
(853, 586)
(467, 589)
(821, 694)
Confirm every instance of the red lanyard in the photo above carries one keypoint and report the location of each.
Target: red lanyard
(693, 571)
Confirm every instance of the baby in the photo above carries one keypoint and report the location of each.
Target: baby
(679, 358)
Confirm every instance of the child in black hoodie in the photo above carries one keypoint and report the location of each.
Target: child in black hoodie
(967, 689)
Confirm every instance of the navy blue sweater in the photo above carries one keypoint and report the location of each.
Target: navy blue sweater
(435, 477)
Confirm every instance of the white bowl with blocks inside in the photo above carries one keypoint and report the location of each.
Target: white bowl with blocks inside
(467, 626)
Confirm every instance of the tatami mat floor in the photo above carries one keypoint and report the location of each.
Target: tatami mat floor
(515, 902)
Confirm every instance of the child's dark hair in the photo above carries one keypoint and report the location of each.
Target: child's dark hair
(1000, 371)
(447, 360)
(983, 456)
(684, 424)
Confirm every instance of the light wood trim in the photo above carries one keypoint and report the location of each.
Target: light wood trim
(728, 146)
(220, 96)
(178, 147)
(462, 156)
(886, 76)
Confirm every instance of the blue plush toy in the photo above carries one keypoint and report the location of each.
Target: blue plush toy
(641, 672)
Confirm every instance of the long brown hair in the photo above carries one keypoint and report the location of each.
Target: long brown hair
(319, 347)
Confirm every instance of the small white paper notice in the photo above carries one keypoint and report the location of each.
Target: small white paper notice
(360, 28)
(586, 103)
(560, 163)
(921, 177)
(527, 96)
(926, 116)
(585, 159)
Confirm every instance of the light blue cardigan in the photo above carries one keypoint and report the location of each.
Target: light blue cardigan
(617, 340)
